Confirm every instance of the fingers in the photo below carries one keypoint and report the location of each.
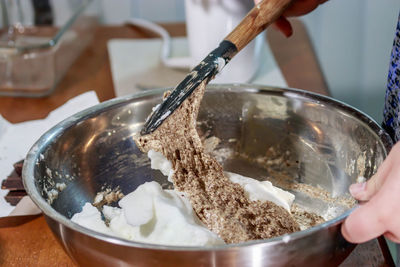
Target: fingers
(392, 237)
(364, 224)
(302, 7)
(365, 191)
(381, 214)
(297, 8)
(284, 26)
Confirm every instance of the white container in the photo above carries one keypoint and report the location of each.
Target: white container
(208, 22)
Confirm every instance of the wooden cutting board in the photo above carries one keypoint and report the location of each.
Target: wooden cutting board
(31, 244)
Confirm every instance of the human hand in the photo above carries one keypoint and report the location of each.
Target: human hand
(297, 8)
(380, 213)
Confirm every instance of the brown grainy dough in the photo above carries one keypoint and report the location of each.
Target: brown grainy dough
(219, 203)
(305, 219)
(108, 196)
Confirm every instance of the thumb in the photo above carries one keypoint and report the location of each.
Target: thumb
(360, 226)
(366, 190)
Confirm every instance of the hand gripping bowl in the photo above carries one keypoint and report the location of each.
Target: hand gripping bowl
(309, 138)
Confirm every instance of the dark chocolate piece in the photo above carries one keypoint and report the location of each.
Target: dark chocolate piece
(14, 183)
(13, 197)
(18, 167)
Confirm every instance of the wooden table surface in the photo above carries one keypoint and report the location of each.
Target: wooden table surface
(33, 244)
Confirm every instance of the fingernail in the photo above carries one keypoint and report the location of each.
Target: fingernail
(357, 188)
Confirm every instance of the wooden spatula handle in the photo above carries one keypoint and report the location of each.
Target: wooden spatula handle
(260, 17)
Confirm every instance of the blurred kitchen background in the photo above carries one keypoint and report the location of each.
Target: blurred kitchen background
(352, 40)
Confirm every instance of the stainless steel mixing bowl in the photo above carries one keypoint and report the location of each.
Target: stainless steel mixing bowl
(322, 142)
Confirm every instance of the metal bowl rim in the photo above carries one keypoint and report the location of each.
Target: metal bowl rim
(34, 155)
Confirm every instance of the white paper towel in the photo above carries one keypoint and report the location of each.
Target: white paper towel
(17, 139)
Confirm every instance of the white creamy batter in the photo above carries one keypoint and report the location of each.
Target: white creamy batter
(151, 214)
